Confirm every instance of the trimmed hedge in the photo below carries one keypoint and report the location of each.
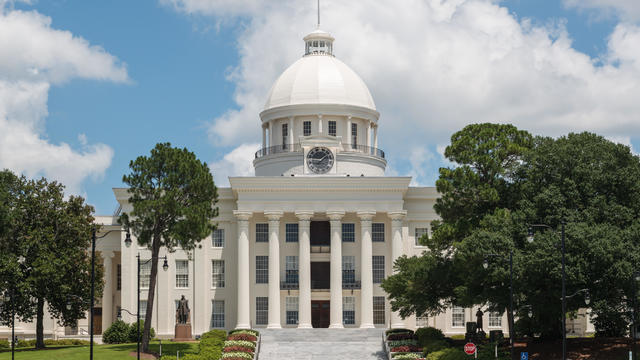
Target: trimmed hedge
(448, 354)
(4, 344)
(395, 331)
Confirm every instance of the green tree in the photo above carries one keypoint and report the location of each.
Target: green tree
(173, 198)
(52, 235)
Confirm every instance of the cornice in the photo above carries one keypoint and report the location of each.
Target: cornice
(319, 184)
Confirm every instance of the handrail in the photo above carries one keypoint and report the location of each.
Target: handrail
(278, 149)
(288, 148)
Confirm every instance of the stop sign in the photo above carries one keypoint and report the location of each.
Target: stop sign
(470, 348)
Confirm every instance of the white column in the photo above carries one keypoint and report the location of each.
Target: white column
(107, 293)
(348, 134)
(304, 269)
(291, 118)
(274, 268)
(369, 134)
(335, 275)
(396, 251)
(264, 137)
(270, 133)
(366, 271)
(375, 136)
(319, 124)
(244, 310)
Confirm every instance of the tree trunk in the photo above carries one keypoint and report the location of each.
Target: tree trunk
(40, 324)
(155, 250)
(509, 320)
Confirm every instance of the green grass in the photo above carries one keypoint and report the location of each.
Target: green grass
(100, 352)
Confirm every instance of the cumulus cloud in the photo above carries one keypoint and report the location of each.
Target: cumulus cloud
(435, 66)
(238, 162)
(628, 10)
(34, 57)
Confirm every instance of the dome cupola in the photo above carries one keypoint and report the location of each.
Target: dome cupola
(318, 43)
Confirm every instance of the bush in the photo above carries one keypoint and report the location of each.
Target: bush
(487, 352)
(434, 345)
(211, 344)
(395, 331)
(4, 344)
(448, 354)
(133, 332)
(117, 333)
(427, 334)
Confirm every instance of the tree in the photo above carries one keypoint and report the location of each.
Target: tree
(52, 235)
(173, 198)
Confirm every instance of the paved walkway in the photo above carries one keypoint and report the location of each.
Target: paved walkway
(321, 344)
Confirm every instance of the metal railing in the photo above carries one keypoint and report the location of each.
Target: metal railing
(287, 148)
(285, 285)
(352, 285)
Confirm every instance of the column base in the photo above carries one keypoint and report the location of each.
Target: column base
(367, 326)
(243, 326)
(274, 326)
(336, 326)
(305, 326)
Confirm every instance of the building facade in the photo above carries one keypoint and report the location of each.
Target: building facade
(304, 243)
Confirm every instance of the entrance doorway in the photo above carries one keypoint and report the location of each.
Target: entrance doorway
(320, 313)
(97, 321)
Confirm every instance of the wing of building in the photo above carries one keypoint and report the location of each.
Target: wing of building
(304, 243)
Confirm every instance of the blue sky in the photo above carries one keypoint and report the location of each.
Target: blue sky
(183, 71)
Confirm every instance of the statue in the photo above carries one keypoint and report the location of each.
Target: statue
(479, 314)
(183, 321)
(183, 311)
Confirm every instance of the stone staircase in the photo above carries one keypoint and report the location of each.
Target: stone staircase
(321, 344)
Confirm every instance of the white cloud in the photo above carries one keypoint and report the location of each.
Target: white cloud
(35, 56)
(435, 66)
(625, 9)
(238, 162)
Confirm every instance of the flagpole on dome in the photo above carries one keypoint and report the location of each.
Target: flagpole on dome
(318, 14)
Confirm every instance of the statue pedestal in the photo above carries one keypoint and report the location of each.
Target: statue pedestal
(183, 332)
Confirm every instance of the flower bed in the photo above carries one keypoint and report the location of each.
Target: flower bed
(240, 345)
(401, 344)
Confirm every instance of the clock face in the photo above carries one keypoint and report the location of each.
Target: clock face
(320, 160)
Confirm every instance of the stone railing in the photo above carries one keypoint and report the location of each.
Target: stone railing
(280, 149)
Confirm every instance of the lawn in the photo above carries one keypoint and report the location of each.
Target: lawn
(100, 352)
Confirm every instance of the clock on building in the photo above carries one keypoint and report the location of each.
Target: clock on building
(320, 160)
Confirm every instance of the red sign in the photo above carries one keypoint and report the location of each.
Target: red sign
(470, 348)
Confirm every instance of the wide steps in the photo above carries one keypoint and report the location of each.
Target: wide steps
(321, 344)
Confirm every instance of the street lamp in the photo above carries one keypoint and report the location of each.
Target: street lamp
(12, 298)
(165, 266)
(635, 279)
(485, 264)
(530, 238)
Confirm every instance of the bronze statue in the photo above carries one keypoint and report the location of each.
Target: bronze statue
(479, 314)
(183, 311)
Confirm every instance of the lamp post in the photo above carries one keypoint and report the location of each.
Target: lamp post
(636, 278)
(165, 266)
(93, 276)
(564, 300)
(21, 261)
(511, 327)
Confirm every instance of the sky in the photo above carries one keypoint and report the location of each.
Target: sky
(88, 85)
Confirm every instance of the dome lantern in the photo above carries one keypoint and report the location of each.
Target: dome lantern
(318, 43)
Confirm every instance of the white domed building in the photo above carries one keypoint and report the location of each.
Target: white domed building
(305, 242)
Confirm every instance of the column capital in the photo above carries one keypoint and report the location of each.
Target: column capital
(304, 215)
(242, 214)
(366, 215)
(273, 215)
(335, 215)
(107, 254)
(397, 215)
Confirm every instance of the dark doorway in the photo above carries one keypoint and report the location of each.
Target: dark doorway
(320, 313)
(320, 275)
(97, 321)
(320, 233)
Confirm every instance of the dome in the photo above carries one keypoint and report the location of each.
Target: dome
(319, 78)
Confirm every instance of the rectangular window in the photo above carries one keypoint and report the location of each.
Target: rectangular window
(354, 135)
(145, 273)
(285, 135)
(457, 316)
(182, 273)
(348, 270)
(422, 321)
(306, 128)
(348, 232)
(262, 269)
(291, 269)
(378, 310)
(349, 310)
(419, 233)
(218, 238)
(143, 310)
(291, 307)
(217, 273)
(332, 128)
(217, 314)
(378, 269)
(377, 232)
(291, 233)
(262, 310)
(119, 277)
(495, 319)
(262, 232)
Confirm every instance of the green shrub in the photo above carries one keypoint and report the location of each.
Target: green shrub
(448, 354)
(395, 331)
(487, 352)
(188, 357)
(133, 332)
(434, 345)
(4, 344)
(427, 334)
(457, 337)
(117, 333)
